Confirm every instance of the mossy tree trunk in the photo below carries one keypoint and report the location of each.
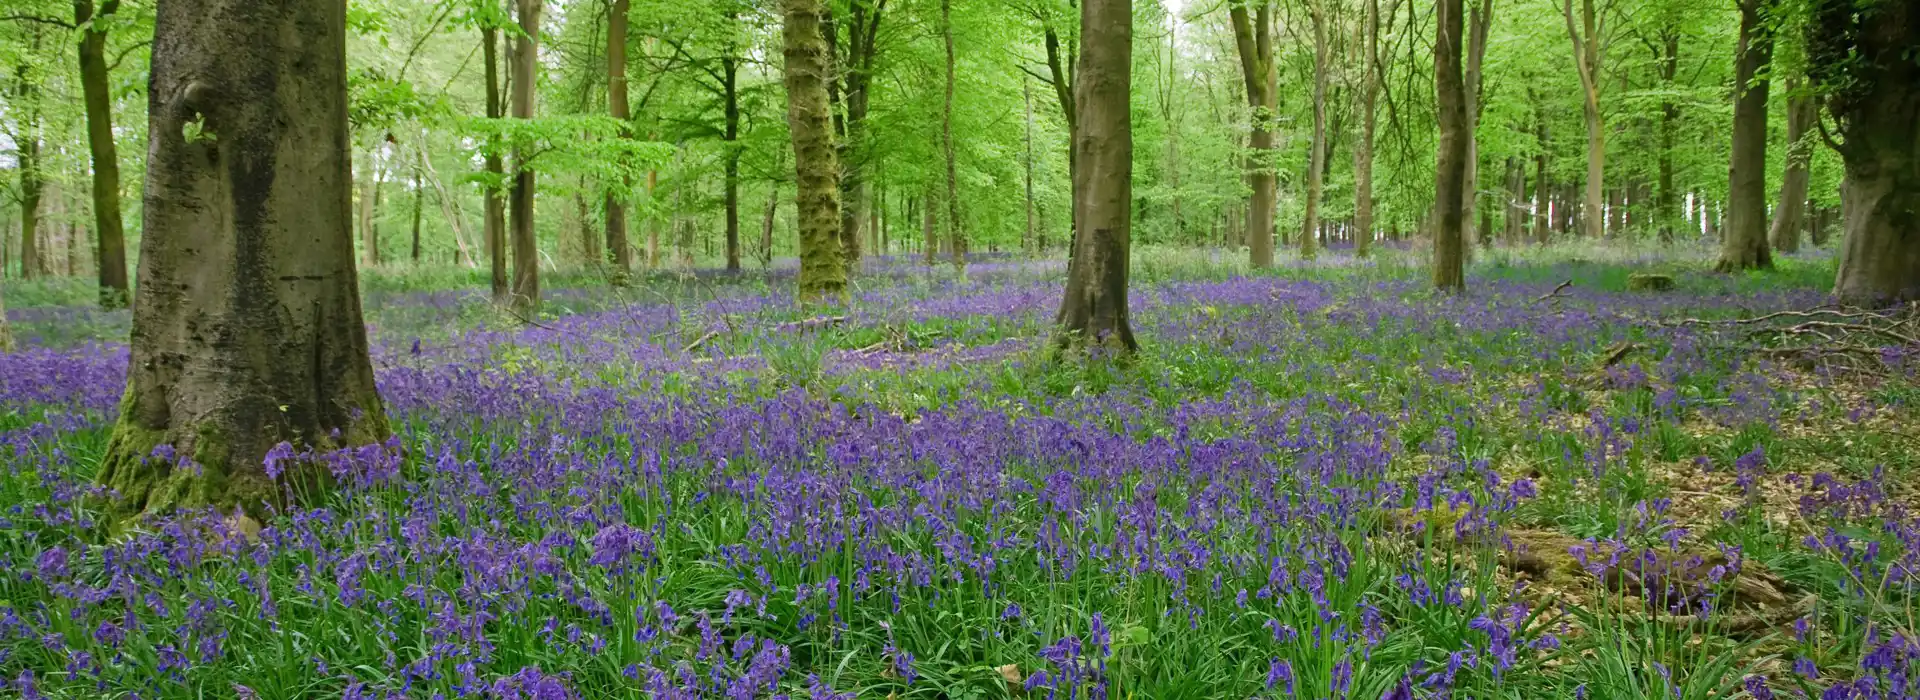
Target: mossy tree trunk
(1860, 55)
(1253, 40)
(823, 274)
(1449, 244)
(1790, 214)
(1744, 247)
(526, 253)
(111, 235)
(619, 254)
(1094, 310)
(247, 328)
(494, 211)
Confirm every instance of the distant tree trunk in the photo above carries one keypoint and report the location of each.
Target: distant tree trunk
(1479, 20)
(1865, 60)
(247, 330)
(1094, 310)
(1027, 237)
(730, 72)
(1586, 55)
(583, 216)
(956, 233)
(526, 253)
(619, 254)
(1317, 158)
(494, 221)
(817, 201)
(6, 335)
(1542, 184)
(1669, 125)
(369, 240)
(1253, 39)
(112, 239)
(929, 228)
(1616, 211)
(32, 183)
(1363, 147)
(419, 193)
(863, 24)
(1516, 209)
(1449, 247)
(1790, 214)
(653, 222)
(1745, 245)
(766, 227)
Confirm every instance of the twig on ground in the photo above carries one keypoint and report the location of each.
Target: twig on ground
(1555, 294)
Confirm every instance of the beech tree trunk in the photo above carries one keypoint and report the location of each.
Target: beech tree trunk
(956, 234)
(1789, 214)
(1516, 209)
(32, 184)
(1317, 158)
(1669, 126)
(1866, 61)
(1253, 39)
(526, 254)
(863, 24)
(823, 274)
(1586, 55)
(1363, 147)
(1479, 21)
(1449, 245)
(419, 194)
(730, 85)
(1744, 247)
(247, 329)
(766, 227)
(1094, 310)
(494, 213)
(619, 254)
(6, 335)
(112, 237)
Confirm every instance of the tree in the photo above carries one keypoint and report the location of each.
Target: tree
(494, 213)
(619, 254)
(1317, 159)
(1744, 245)
(526, 253)
(1791, 211)
(1369, 93)
(1860, 59)
(956, 234)
(26, 137)
(1586, 61)
(247, 330)
(1253, 39)
(863, 30)
(816, 176)
(1449, 246)
(107, 227)
(1094, 310)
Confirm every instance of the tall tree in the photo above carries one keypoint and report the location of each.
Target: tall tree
(1253, 39)
(823, 275)
(247, 329)
(109, 232)
(6, 335)
(526, 253)
(1449, 246)
(956, 234)
(1369, 92)
(1860, 57)
(619, 254)
(1479, 21)
(863, 29)
(32, 185)
(1668, 54)
(1790, 214)
(1317, 159)
(494, 212)
(1744, 246)
(1586, 62)
(1094, 310)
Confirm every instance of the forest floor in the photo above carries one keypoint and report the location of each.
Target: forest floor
(1317, 481)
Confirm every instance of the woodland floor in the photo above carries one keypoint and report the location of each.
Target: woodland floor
(1316, 481)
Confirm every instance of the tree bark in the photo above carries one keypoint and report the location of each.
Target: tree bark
(1744, 246)
(6, 334)
(766, 227)
(1669, 126)
(1790, 213)
(823, 274)
(1027, 236)
(619, 254)
(1479, 21)
(1253, 39)
(1317, 158)
(863, 24)
(32, 183)
(1542, 183)
(111, 235)
(526, 253)
(1586, 54)
(1864, 62)
(247, 329)
(956, 233)
(730, 71)
(1516, 209)
(419, 194)
(1449, 254)
(1094, 310)
(494, 213)
(1363, 147)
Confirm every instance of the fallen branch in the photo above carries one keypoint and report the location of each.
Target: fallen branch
(811, 323)
(1555, 294)
(702, 340)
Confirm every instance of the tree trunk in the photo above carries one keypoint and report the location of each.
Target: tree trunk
(1790, 214)
(32, 183)
(863, 23)
(368, 241)
(1865, 61)
(1317, 158)
(583, 215)
(1669, 125)
(494, 221)
(766, 227)
(929, 227)
(526, 254)
(1542, 184)
(112, 238)
(1027, 237)
(247, 330)
(823, 274)
(1586, 54)
(6, 335)
(1363, 147)
(1745, 245)
(419, 193)
(730, 70)
(955, 232)
(1516, 209)
(1253, 39)
(1449, 254)
(1062, 76)
(450, 210)
(1094, 310)
(619, 254)
(1479, 20)
(653, 222)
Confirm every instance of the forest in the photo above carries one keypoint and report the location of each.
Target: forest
(841, 349)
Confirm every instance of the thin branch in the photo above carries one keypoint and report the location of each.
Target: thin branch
(39, 19)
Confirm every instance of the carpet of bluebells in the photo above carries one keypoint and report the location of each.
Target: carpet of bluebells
(1315, 483)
